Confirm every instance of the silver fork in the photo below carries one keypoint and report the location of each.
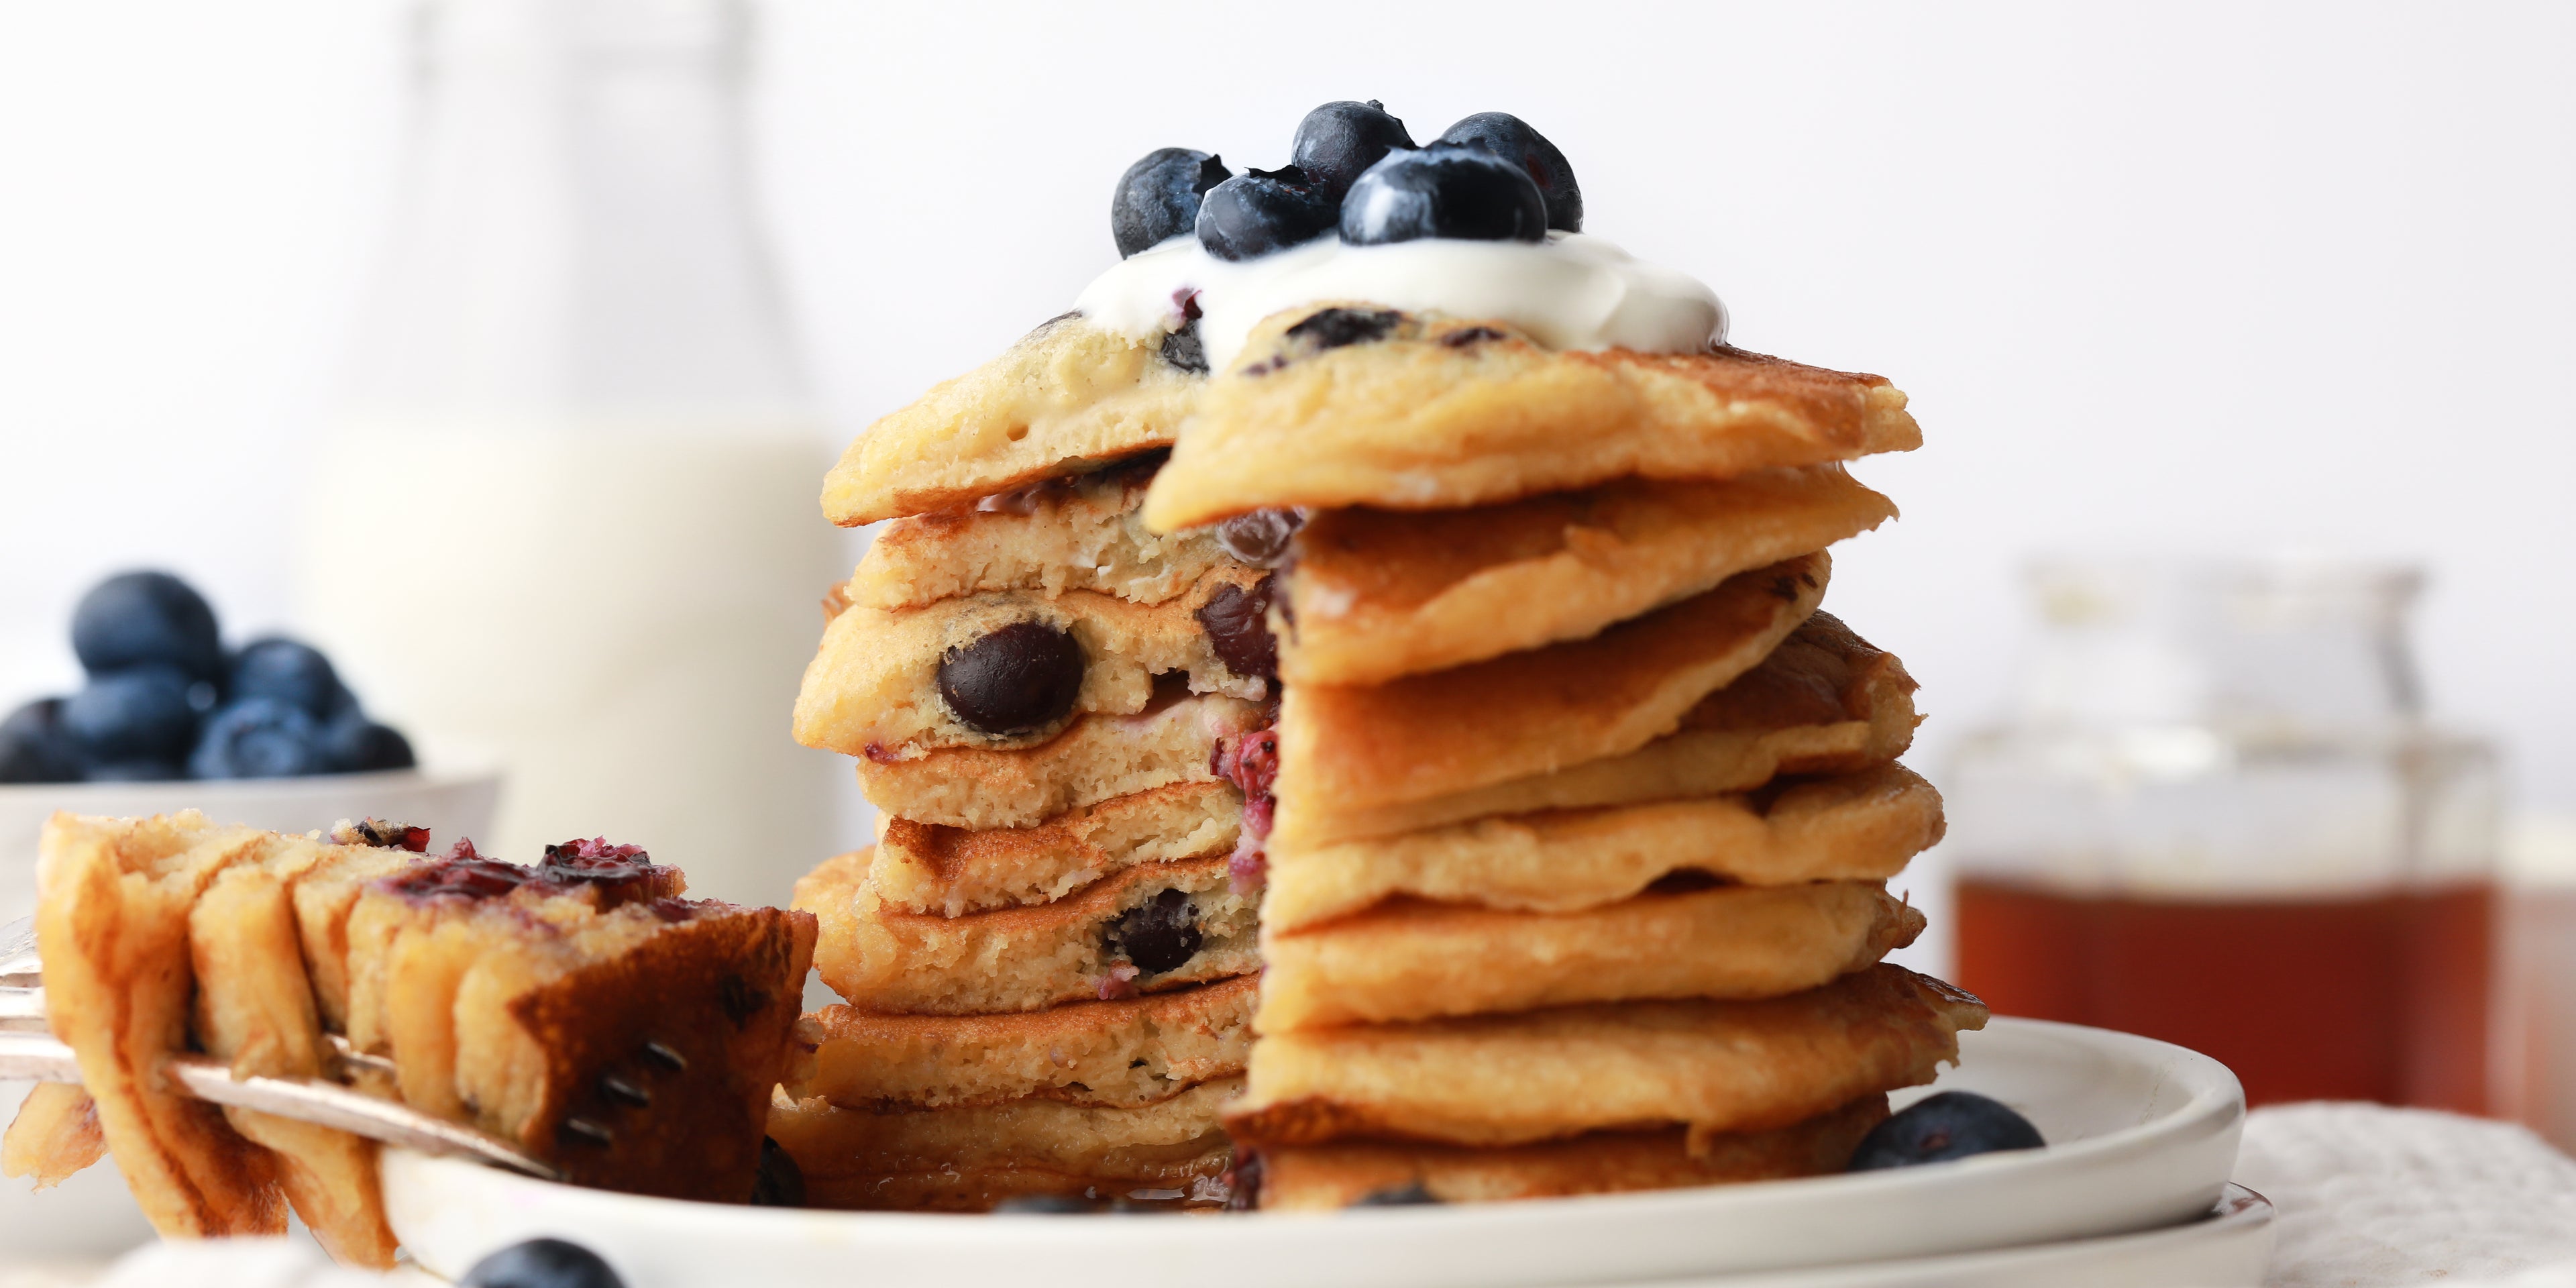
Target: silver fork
(29, 1052)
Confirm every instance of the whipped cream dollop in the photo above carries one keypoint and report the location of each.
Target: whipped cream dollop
(1571, 291)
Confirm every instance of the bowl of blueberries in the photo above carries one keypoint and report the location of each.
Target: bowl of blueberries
(169, 717)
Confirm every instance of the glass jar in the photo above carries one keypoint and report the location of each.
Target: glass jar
(567, 514)
(2216, 814)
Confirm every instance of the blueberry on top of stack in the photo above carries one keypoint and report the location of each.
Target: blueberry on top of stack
(164, 700)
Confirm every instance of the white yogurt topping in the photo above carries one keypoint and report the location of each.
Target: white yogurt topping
(1569, 292)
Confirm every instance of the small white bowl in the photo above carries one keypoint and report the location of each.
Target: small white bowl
(91, 1215)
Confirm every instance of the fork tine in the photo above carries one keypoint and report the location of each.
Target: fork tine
(20, 967)
(22, 1010)
(36, 1057)
(332, 1105)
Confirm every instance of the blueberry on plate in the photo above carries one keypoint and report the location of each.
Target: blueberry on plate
(34, 748)
(1158, 197)
(354, 744)
(259, 738)
(290, 671)
(542, 1263)
(1509, 137)
(1935, 1129)
(141, 617)
(1445, 190)
(138, 771)
(1410, 1195)
(1338, 142)
(1260, 211)
(139, 713)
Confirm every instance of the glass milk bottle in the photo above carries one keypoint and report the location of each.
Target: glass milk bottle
(2216, 814)
(567, 517)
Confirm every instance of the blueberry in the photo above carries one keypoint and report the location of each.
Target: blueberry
(1020, 678)
(1049, 1204)
(147, 770)
(1237, 624)
(1397, 1196)
(1186, 350)
(780, 1182)
(139, 617)
(259, 738)
(1260, 211)
(1158, 197)
(35, 749)
(1509, 137)
(1260, 538)
(139, 713)
(288, 670)
(1339, 141)
(1159, 936)
(1953, 1124)
(1335, 327)
(542, 1263)
(353, 744)
(1445, 190)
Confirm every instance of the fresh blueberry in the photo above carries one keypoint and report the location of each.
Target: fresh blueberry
(1953, 1124)
(1159, 936)
(35, 749)
(353, 744)
(1397, 1196)
(259, 738)
(1509, 137)
(1260, 211)
(1158, 197)
(138, 617)
(1337, 142)
(780, 1182)
(542, 1263)
(1048, 1204)
(139, 713)
(138, 771)
(1020, 678)
(1445, 190)
(288, 670)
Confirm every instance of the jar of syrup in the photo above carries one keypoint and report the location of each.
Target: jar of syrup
(2216, 814)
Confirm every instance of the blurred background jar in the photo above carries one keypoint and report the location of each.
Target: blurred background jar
(568, 514)
(2217, 814)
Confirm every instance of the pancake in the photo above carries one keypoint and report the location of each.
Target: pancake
(54, 1137)
(1086, 532)
(929, 868)
(967, 1159)
(1856, 827)
(1344, 748)
(1383, 593)
(1410, 960)
(1129, 1052)
(1440, 413)
(1306, 1178)
(1146, 929)
(1068, 397)
(1098, 758)
(875, 684)
(1823, 702)
(1714, 1067)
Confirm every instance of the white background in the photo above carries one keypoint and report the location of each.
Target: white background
(2158, 276)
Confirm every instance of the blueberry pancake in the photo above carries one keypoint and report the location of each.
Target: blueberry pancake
(1122, 1052)
(1081, 532)
(1341, 404)
(1097, 758)
(1861, 826)
(1147, 929)
(1383, 593)
(1070, 396)
(931, 868)
(1353, 747)
(968, 1158)
(1823, 702)
(1411, 960)
(1366, 1173)
(1710, 1066)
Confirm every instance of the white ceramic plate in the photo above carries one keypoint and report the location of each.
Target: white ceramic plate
(2143, 1136)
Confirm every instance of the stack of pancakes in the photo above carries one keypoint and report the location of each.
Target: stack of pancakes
(1046, 958)
(1584, 813)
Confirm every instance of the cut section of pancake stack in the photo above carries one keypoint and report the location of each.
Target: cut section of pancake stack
(1584, 813)
(1046, 960)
